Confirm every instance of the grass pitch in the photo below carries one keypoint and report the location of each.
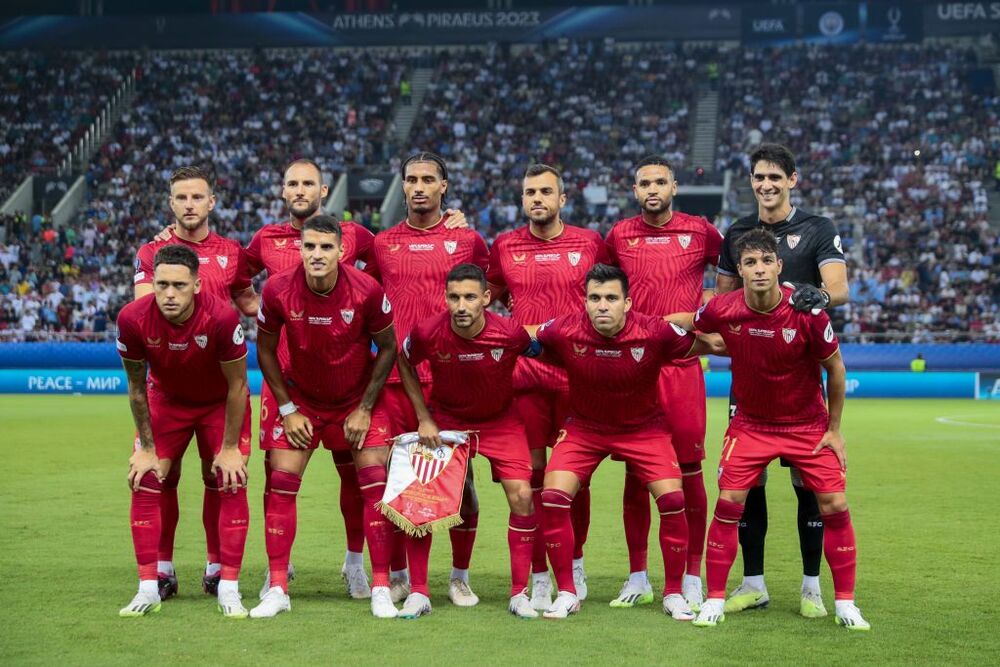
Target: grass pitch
(921, 489)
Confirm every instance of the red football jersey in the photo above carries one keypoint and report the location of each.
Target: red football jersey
(329, 335)
(471, 379)
(412, 264)
(276, 247)
(613, 381)
(183, 358)
(544, 279)
(221, 264)
(777, 377)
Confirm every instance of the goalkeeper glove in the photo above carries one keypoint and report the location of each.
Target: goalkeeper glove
(808, 297)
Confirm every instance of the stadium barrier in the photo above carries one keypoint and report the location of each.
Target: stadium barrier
(860, 384)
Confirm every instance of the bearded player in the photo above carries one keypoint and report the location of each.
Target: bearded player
(328, 393)
(539, 270)
(472, 353)
(665, 253)
(192, 344)
(411, 260)
(221, 267)
(613, 358)
(778, 355)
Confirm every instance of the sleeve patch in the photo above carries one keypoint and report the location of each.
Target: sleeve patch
(386, 306)
(139, 276)
(678, 330)
(238, 334)
(837, 244)
(406, 347)
(828, 332)
(121, 346)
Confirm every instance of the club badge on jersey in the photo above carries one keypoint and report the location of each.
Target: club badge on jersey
(425, 485)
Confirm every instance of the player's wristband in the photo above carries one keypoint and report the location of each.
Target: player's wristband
(287, 408)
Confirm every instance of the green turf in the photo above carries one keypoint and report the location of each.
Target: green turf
(921, 492)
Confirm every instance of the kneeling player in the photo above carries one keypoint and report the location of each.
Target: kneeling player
(328, 393)
(472, 354)
(197, 386)
(778, 355)
(613, 360)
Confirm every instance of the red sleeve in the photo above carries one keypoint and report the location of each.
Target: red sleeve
(129, 343)
(229, 340)
(602, 256)
(371, 266)
(378, 310)
(242, 278)
(415, 346)
(675, 342)
(252, 261)
(143, 266)
(494, 275)
(480, 253)
(822, 341)
(549, 336)
(519, 339)
(609, 246)
(270, 315)
(364, 245)
(713, 243)
(706, 319)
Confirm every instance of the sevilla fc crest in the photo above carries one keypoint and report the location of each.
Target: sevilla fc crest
(222, 260)
(637, 353)
(793, 240)
(451, 246)
(201, 341)
(788, 335)
(427, 462)
(276, 432)
(684, 240)
(574, 258)
(496, 353)
(347, 314)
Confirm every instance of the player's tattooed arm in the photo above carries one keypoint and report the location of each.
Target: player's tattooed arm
(229, 460)
(426, 427)
(834, 275)
(144, 458)
(836, 391)
(357, 423)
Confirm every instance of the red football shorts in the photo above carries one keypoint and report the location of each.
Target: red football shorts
(174, 424)
(502, 441)
(746, 453)
(328, 426)
(682, 397)
(402, 416)
(645, 450)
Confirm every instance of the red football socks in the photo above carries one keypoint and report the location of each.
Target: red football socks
(378, 529)
(352, 503)
(723, 542)
(280, 524)
(696, 512)
(559, 541)
(580, 516)
(522, 532)
(673, 539)
(169, 515)
(418, 553)
(463, 538)
(539, 564)
(145, 520)
(234, 521)
(636, 517)
(841, 552)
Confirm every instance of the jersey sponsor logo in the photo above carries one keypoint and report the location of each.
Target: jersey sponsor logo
(638, 352)
(294, 315)
(735, 328)
(320, 321)
(574, 258)
(496, 353)
(347, 314)
(678, 330)
(394, 247)
(177, 347)
(280, 243)
(386, 306)
(657, 240)
(203, 260)
(580, 350)
(238, 337)
(607, 354)
(152, 342)
(632, 242)
(547, 257)
(471, 356)
(762, 333)
(141, 275)
(121, 346)
(519, 258)
(443, 357)
(421, 247)
(222, 260)
(201, 341)
(793, 240)
(837, 244)
(788, 334)
(451, 246)
(684, 240)
(828, 332)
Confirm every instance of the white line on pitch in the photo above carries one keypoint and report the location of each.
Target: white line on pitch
(955, 422)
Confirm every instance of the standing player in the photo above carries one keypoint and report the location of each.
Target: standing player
(665, 252)
(540, 270)
(411, 260)
(778, 354)
(328, 393)
(193, 346)
(613, 359)
(814, 263)
(472, 354)
(221, 260)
